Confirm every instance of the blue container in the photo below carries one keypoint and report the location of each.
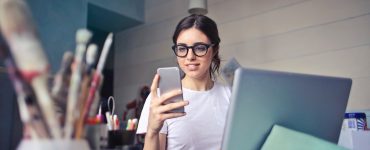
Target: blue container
(356, 120)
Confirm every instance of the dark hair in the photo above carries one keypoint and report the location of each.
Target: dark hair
(209, 28)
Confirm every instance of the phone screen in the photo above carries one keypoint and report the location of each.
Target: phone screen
(170, 80)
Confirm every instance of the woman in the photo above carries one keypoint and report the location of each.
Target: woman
(196, 45)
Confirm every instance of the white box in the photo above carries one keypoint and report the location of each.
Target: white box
(355, 140)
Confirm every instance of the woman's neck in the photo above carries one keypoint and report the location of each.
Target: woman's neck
(197, 84)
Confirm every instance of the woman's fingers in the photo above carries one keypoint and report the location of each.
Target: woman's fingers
(153, 88)
(158, 111)
(164, 117)
(172, 106)
(166, 96)
(172, 115)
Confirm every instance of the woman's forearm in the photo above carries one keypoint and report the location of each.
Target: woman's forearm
(151, 141)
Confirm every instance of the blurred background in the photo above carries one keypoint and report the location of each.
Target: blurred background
(326, 37)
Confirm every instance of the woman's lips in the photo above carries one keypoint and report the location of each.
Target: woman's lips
(192, 67)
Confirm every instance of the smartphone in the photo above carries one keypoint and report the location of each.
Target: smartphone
(170, 80)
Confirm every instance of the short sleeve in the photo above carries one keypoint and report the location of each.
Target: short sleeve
(144, 117)
(226, 90)
(164, 129)
(143, 122)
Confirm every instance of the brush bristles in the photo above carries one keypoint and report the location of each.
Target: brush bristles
(67, 56)
(91, 53)
(15, 17)
(83, 36)
(67, 59)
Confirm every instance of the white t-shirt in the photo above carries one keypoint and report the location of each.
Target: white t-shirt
(203, 125)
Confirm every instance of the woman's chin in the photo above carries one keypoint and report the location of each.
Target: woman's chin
(194, 74)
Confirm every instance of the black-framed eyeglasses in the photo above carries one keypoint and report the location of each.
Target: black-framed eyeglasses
(199, 49)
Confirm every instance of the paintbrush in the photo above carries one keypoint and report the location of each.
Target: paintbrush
(82, 37)
(35, 127)
(91, 53)
(99, 72)
(97, 77)
(90, 60)
(19, 32)
(19, 88)
(60, 83)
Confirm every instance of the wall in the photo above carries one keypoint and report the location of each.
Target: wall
(115, 15)
(327, 37)
(131, 8)
(57, 23)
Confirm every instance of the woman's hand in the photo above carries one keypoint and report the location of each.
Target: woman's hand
(158, 111)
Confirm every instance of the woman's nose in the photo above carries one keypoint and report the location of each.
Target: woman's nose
(190, 55)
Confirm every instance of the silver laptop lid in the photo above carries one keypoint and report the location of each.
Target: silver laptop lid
(308, 103)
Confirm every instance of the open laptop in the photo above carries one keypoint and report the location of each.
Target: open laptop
(308, 103)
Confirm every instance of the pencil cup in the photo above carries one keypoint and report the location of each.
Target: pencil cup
(97, 136)
(120, 138)
(53, 144)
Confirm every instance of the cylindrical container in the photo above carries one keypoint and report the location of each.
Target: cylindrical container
(53, 144)
(96, 136)
(119, 138)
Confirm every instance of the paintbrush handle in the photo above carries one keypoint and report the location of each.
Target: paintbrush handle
(104, 54)
(83, 96)
(46, 105)
(90, 98)
(71, 103)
